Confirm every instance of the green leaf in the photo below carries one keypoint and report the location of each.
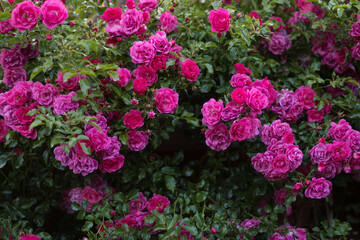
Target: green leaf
(150, 219)
(35, 124)
(36, 71)
(191, 229)
(84, 85)
(159, 227)
(170, 62)
(201, 196)
(57, 139)
(209, 68)
(44, 236)
(173, 221)
(89, 45)
(170, 182)
(205, 88)
(87, 71)
(87, 226)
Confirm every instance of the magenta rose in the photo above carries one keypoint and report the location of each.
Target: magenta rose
(19, 94)
(45, 95)
(190, 70)
(147, 73)
(6, 26)
(256, 100)
(279, 43)
(219, 20)
(158, 202)
(353, 138)
(147, 5)
(211, 112)
(133, 119)
(158, 63)
(83, 164)
(315, 115)
(320, 153)
(281, 163)
(168, 22)
(142, 52)
(99, 140)
(139, 86)
(131, 21)
(239, 96)
(306, 96)
(30, 237)
(3, 128)
(279, 129)
(112, 164)
(130, 220)
(232, 111)
(241, 69)
(266, 134)
(112, 150)
(355, 52)
(138, 204)
(295, 155)
(64, 104)
(71, 83)
(53, 13)
(160, 42)
(124, 77)
(318, 188)
(355, 29)
(255, 125)
(240, 129)
(14, 75)
(338, 131)
(90, 194)
(112, 14)
(240, 80)
(137, 140)
(218, 138)
(340, 151)
(25, 16)
(12, 58)
(166, 100)
(262, 162)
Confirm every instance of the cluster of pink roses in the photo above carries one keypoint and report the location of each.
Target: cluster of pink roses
(26, 14)
(281, 156)
(290, 105)
(289, 233)
(342, 153)
(95, 139)
(248, 100)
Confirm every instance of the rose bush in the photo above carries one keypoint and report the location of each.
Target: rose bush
(179, 119)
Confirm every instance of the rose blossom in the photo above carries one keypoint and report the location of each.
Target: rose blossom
(306, 96)
(25, 16)
(318, 188)
(338, 131)
(241, 69)
(6, 26)
(218, 137)
(158, 202)
(340, 151)
(168, 22)
(255, 15)
(320, 153)
(147, 5)
(315, 115)
(295, 155)
(14, 75)
(61, 155)
(19, 94)
(137, 140)
(112, 164)
(71, 83)
(158, 63)
(160, 42)
(240, 80)
(99, 140)
(256, 100)
(240, 129)
(219, 20)
(112, 14)
(166, 100)
(190, 70)
(353, 138)
(64, 104)
(211, 112)
(45, 95)
(262, 162)
(12, 58)
(53, 13)
(239, 96)
(83, 165)
(281, 163)
(231, 111)
(133, 119)
(124, 77)
(139, 86)
(279, 129)
(30, 237)
(355, 29)
(279, 43)
(90, 194)
(131, 21)
(142, 52)
(138, 204)
(147, 73)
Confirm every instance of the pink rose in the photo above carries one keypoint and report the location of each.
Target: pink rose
(147, 73)
(353, 138)
(3, 128)
(240, 129)
(306, 96)
(124, 77)
(315, 115)
(6, 26)
(255, 15)
(113, 149)
(138, 204)
(21, 115)
(112, 14)
(14, 75)
(12, 58)
(211, 112)
(142, 52)
(64, 104)
(340, 151)
(219, 20)
(241, 69)
(281, 163)
(83, 164)
(266, 134)
(158, 63)
(239, 96)
(112, 164)
(355, 52)
(30, 237)
(190, 70)
(53, 13)
(218, 137)
(256, 100)
(355, 29)
(160, 42)
(20, 94)
(139, 86)
(137, 140)
(133, 119)
(147, 5)
(168, 22)
(99, 140)
(166, 100)
(130, 220)
(240, 80)
(295, 155)
(131, 21)
(318, 188)
(279, 129)
(45, 95)
(25, 16)
(320, 153)
(279, 43)
(262, 162)
(158, 202)
(90, 194)
(71, 83)
(338, 131)
(232, 111)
